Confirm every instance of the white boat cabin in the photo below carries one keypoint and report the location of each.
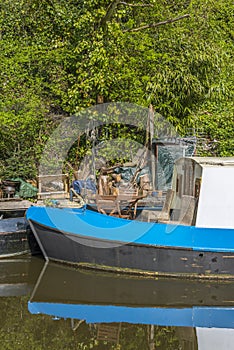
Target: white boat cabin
(208, 183)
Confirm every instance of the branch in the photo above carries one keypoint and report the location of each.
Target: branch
(109, 13)
(133, 5)
(157, 24)
(111, 10)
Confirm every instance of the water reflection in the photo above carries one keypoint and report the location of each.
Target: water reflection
(19, 275)
(110, 303)
(50, 306)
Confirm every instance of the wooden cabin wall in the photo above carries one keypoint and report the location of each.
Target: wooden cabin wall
(186, 180)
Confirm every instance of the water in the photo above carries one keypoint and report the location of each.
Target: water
(51, 306)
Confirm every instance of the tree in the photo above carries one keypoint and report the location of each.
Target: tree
(61, 56)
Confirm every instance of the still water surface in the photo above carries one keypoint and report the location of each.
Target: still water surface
(50, 306)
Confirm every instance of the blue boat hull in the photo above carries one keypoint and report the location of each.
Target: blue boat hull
(102, 242)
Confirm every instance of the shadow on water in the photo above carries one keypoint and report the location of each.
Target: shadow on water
(51, 306)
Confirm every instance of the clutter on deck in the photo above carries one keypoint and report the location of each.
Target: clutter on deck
(192, 237)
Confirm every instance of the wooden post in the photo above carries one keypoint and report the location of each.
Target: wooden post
(151, 135)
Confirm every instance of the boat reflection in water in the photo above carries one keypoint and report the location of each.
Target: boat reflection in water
(18, 275)
(110, 302)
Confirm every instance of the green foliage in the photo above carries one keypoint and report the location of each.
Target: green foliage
(218, 128)
(59, 57)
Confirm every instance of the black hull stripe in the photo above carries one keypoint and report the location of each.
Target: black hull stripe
(133, 257)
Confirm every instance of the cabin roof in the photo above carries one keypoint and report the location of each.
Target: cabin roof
(213, 161)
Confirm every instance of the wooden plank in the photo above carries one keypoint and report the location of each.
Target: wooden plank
(53, 194)
(14, 204)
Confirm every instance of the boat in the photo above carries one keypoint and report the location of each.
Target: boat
(191, 237)
(13, 207)
(16, 238)
(97, 297)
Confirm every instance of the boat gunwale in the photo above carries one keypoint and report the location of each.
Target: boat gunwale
(93, 238)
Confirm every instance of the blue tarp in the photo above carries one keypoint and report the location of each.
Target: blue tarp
(88, 184)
